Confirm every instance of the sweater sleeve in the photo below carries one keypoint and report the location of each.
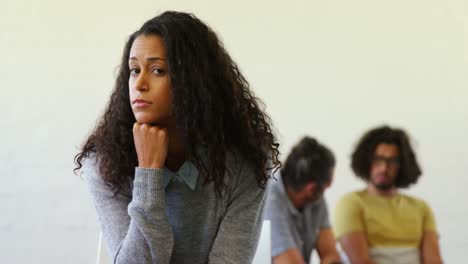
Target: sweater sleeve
(136, 229)
(239, 231)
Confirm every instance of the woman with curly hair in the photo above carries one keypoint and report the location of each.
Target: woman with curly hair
(178, 163)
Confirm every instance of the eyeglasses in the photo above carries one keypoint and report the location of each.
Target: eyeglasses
(391, 162)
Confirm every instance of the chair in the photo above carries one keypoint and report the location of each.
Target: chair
(262, 255)
(102, 255)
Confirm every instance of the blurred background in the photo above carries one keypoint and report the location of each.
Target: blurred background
(329, 69)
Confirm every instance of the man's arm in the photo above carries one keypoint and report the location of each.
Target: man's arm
(356, 248)
(430, 252)
(290, 256)
(349, 229)
(326, 247)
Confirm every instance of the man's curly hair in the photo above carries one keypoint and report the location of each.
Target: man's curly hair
(361, 159)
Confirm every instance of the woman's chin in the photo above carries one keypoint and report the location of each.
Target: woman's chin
(145, 119)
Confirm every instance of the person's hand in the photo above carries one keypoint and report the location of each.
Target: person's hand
(151, 145)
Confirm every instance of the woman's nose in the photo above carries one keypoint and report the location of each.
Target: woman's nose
(141, 83)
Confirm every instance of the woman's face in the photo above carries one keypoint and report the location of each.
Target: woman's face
(149, 82)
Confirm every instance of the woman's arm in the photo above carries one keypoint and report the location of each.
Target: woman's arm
(239, 231)
(135, 229)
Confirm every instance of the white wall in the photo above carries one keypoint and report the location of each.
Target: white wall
(330, 69)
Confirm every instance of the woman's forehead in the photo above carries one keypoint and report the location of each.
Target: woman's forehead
(145, 47)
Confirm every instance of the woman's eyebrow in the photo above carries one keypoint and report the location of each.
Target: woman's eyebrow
(148, 59)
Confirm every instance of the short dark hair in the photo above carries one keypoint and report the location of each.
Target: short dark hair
(309, 161)
(361, 158)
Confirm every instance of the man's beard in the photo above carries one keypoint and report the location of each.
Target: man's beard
(384, 186)
(318, 194)
(387, 184)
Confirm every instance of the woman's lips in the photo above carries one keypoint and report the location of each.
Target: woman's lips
(140, 103)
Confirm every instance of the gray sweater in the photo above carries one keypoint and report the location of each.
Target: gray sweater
(165, 219)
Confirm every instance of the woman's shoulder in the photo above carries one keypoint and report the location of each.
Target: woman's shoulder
(90, 168)
(238, 166)
(90, 172)
(241, 173)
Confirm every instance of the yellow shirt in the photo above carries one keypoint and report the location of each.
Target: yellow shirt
(397, 221)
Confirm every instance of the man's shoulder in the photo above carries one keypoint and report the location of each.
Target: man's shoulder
(277, 201)
(354, 200)
(413, 200)
(318, 207)
(276, 195)
(353, 196)
(275, 187)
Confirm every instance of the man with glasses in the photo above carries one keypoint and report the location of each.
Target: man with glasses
(379, 224)
(297, 209)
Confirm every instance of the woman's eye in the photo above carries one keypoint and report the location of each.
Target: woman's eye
(158, 71)
(134, 71)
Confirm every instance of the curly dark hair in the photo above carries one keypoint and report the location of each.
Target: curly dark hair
(309, 161)
(361, 159)
(212, 104)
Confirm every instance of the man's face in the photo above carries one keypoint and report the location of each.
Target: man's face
(385, 166)
(314, 191)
